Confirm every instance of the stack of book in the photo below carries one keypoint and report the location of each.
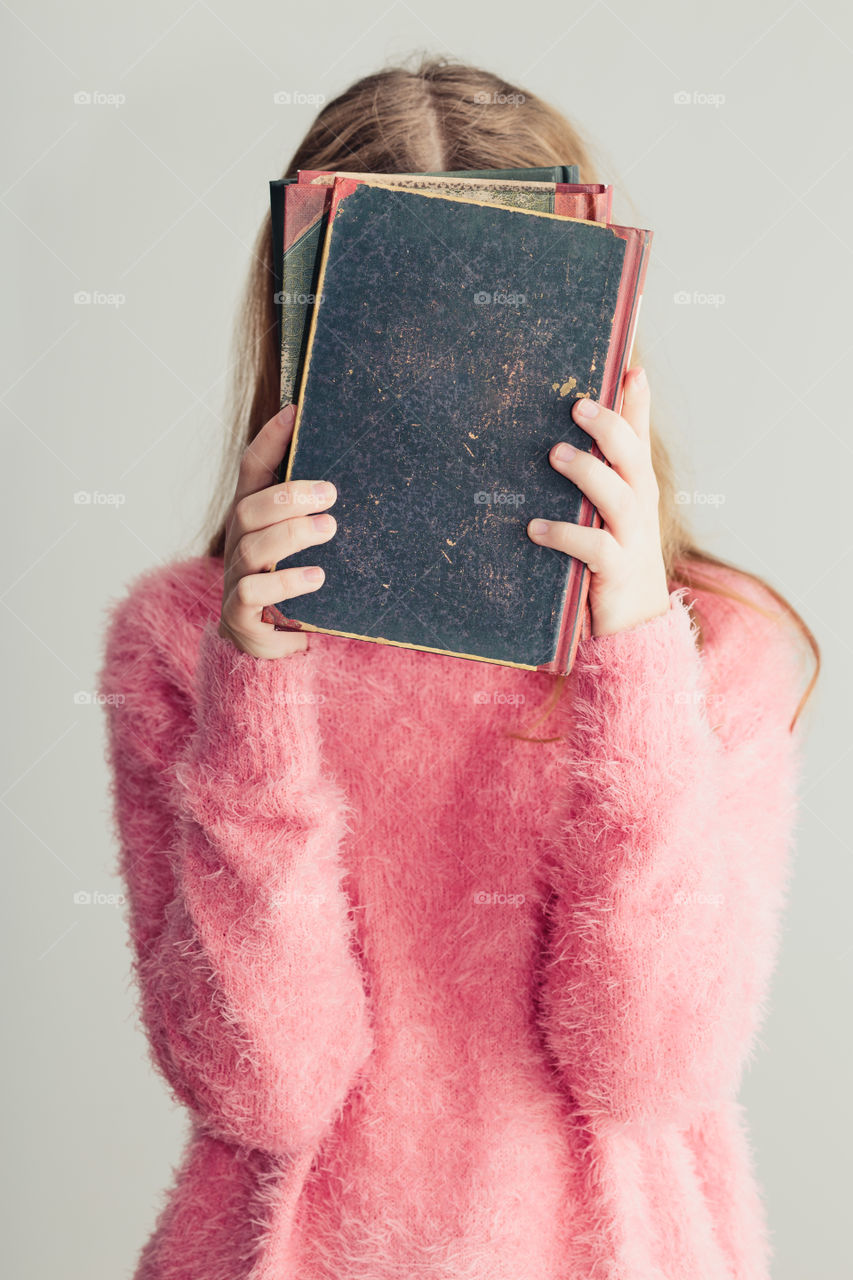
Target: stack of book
(436, 330)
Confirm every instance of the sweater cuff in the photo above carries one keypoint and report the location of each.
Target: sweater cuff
(642, 689)
(257, 717)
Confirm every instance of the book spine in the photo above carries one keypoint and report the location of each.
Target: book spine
(576, 623)
(304, 225)
(342, 187)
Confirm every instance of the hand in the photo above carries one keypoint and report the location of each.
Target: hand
(628, 584)
(266, 523)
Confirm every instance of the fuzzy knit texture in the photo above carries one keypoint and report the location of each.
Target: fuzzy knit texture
(440, 1003)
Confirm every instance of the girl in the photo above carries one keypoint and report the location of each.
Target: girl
(443, 997)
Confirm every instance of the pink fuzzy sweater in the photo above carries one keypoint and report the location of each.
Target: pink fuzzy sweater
(442, 1003)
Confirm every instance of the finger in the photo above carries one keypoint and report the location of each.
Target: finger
(606, 490)
(280, 502)
(636, 401)
(263, 549)
(593, 546)
(257, 590)
(615, 437)
(262, 457)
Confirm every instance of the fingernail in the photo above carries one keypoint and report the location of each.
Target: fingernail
(538, 527)
(586, 408)
(313, 573)
(322, 490)
(322, 522)
(640, 380)
(564, 452)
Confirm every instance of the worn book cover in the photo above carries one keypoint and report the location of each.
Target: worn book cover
(450, 339)
(565, 173)
(306, 207)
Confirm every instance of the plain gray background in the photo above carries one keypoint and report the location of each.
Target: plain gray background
(157, 198)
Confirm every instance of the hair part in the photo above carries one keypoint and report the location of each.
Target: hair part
(440, 115)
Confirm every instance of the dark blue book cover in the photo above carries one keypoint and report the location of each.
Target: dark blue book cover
(449, 341)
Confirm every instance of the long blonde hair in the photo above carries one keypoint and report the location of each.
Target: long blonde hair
(440, 115)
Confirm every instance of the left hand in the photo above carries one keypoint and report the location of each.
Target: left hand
(628, 585)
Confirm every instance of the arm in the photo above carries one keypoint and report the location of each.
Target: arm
(229, 833)
(670, 879)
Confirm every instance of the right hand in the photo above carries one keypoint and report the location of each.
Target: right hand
(266, 523)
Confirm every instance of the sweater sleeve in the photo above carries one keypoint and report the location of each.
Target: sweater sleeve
(671, 871)
(229, 832)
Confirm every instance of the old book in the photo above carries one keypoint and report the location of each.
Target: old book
(450, 340)
(278, 186)
(305, 216)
